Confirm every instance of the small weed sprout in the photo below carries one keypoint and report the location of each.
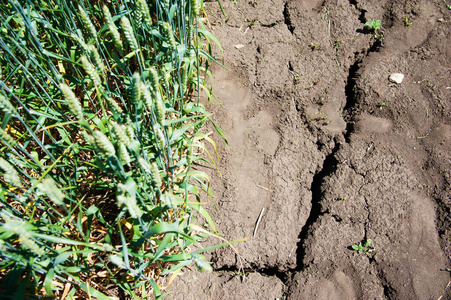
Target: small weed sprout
(313, 46)
(382, 104)
(374, 26)
(296, 78)
(406, 22)
(321, 101)
(364, 248)
(337, 43)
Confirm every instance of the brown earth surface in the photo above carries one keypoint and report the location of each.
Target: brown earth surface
(333, 151)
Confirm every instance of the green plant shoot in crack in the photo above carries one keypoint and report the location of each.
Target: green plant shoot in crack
(374, 26)
(364, 248)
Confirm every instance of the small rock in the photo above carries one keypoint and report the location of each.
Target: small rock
(396, 78)
(239, 46)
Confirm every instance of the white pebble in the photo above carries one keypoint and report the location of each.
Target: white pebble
(396, 78)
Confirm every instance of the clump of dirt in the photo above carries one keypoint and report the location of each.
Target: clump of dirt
(331, 151)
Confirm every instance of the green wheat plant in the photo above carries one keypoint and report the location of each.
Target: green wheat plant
(100, 126)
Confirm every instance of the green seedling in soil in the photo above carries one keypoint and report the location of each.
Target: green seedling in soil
(374, 26)
(313, 46)
(337, 43)
(326, 13)
(296, 78)
(364, 248)
(382, 104)
(315, 83)
(253, 22)
(405, 19)
(321, 100)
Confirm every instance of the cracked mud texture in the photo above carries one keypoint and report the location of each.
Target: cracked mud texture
(334, 152)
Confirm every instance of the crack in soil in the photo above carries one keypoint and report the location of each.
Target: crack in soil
(270, 25)
(329, 166)
(330, 162)
(351, 99)
(389, 292)
(287, 18)
(362, 11)
(350, 108)
(268, 271)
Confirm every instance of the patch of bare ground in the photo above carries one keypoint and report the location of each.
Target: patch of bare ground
(332, 150)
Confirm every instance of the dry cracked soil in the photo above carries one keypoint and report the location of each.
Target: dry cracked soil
(330, 153)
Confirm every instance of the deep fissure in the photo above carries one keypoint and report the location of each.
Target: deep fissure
(389, 292)
(287, 18)
(351, 99)
(283, 276)
(329, 166)
(349, 110)
(362, 11)
(330, 162)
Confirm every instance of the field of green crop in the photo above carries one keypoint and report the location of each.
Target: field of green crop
(100, 125)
